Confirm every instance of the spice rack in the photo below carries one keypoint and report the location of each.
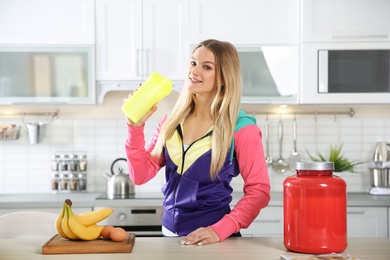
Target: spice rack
(69, 172)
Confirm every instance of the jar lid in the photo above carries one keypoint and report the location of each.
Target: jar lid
(315, 166)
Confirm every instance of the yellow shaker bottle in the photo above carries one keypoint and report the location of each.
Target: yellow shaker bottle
(152, 91)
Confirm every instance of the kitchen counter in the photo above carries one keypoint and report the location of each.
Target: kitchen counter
(17, 201)
(169, 248)
(49, 200)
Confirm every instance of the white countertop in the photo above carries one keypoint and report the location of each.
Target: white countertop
(46, 200)
(169, 249)
(10, 201)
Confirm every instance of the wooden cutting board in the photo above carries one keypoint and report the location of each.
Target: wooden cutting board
(60, 245)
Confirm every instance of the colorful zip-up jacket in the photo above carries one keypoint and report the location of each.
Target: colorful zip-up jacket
(191, 198)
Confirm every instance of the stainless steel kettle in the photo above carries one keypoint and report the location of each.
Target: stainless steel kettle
(381, 152)
(119, 185)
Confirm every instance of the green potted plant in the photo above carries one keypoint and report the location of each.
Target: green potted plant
(341, 163)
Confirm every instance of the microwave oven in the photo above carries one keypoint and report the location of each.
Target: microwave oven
(345, 73)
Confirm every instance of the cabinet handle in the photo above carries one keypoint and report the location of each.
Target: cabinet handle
(105, 55)
(357, 212)
(139, 58)
(146, 63)
(363, 36)
(268, 221)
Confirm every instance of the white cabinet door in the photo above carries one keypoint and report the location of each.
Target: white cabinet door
(367, 222)
(47, 75)
(245, 22)
(118, 39)
(166, 32)
(136, 37)
(345, 20)
(269, 223)
(47, 22)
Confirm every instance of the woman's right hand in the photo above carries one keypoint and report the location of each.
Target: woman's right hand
(142, 120)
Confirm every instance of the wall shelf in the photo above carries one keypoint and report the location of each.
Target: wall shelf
(350, 113)
(50, 115)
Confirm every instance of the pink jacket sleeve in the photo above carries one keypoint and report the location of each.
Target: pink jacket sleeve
(138, 155)
(253, 168)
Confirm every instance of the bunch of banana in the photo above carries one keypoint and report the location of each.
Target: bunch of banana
(80, 226)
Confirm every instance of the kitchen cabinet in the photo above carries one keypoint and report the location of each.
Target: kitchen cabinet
(48, 22)
(345, 21)
(367, 222)
(269, 223)
(248, 22)
(47, 75)
(266, 34)
(137, 37)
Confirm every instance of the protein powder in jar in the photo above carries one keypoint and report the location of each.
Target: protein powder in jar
(315, 209)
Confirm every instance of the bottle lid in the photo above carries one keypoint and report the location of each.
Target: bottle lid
(314, 166)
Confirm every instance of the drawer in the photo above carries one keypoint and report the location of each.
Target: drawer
(269, 223)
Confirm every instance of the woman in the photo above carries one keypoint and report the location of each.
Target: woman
(204, 142)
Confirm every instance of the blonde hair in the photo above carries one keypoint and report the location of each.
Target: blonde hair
(224, 108)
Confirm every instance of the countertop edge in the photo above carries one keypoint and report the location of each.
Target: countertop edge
(16, 201)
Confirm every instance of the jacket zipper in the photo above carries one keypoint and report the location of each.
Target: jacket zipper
(182, 167)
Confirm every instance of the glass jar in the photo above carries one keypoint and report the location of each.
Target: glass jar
(3, 131)
(12, 132)
(54, 181)
(82, 181)
(83, 162)
(55, 162)
(64, 181)
(64, 162)
(315, 209)
(73, 162)
(73, 181)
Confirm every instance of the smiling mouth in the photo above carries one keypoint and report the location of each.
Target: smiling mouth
(195, 80)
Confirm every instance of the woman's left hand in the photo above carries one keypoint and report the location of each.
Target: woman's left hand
(201, 236)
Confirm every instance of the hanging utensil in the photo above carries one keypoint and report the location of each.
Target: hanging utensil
(280, 165)
(268, 158)
(294, 157)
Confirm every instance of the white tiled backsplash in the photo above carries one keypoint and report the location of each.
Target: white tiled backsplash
(25, 168)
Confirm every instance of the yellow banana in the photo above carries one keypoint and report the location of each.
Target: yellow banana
(85, 233)
(91, 218)
(65, 225)
(59, 223)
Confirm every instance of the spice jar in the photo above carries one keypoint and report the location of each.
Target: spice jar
(54, 181)
(315, 209)
(64, 181)
(82, 181)
(64, 162)
(83, 162)
(54, 162)
(73, 162)
(73, 181)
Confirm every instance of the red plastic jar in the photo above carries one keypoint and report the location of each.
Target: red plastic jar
(315, 209)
